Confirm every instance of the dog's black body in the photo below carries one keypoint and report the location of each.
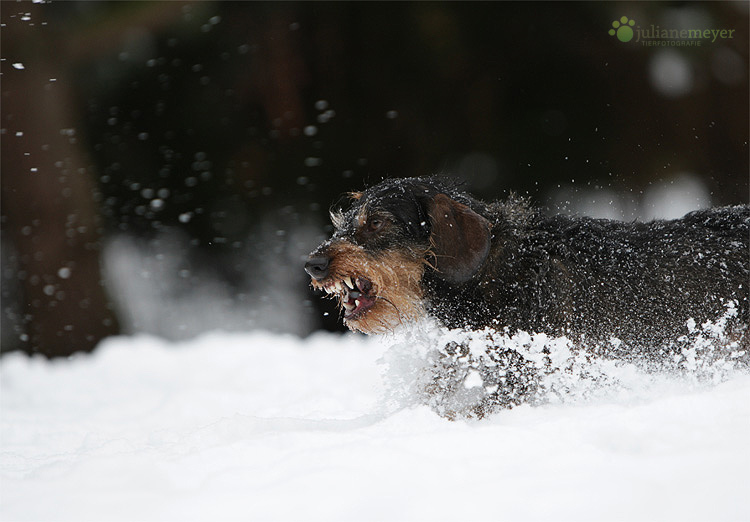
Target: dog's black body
(638, 282)
(410, 247)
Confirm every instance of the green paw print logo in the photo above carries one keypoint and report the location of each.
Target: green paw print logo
(623, 28)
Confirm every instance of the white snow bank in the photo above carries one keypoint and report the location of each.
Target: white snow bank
(268, 427)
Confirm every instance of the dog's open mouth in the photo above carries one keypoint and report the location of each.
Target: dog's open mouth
(355, 294)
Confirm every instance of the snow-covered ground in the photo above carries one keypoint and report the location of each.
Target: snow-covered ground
(260, 426)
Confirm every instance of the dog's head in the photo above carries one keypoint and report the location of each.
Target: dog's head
(386, 240)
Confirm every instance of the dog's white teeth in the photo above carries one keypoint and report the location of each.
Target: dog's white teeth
(348, 282)
(356, 303)
(338, 287)
(349, 307)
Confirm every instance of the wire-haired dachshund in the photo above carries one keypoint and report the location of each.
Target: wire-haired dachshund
(407, 248)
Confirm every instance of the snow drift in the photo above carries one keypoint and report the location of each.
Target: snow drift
(270, 427)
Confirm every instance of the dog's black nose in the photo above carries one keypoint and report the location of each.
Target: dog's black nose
(317, 267)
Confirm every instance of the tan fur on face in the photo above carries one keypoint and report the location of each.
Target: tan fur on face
(395, 278)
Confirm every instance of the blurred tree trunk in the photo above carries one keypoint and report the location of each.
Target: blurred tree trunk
(49, 208)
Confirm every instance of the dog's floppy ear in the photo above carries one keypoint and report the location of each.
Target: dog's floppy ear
(460, 239)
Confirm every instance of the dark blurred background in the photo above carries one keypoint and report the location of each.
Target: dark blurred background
(166, 166)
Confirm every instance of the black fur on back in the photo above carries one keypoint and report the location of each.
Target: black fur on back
(638, 282)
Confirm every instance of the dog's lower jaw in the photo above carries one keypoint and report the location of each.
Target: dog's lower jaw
(383, 317)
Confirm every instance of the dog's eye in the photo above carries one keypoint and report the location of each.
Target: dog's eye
(375, 224)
